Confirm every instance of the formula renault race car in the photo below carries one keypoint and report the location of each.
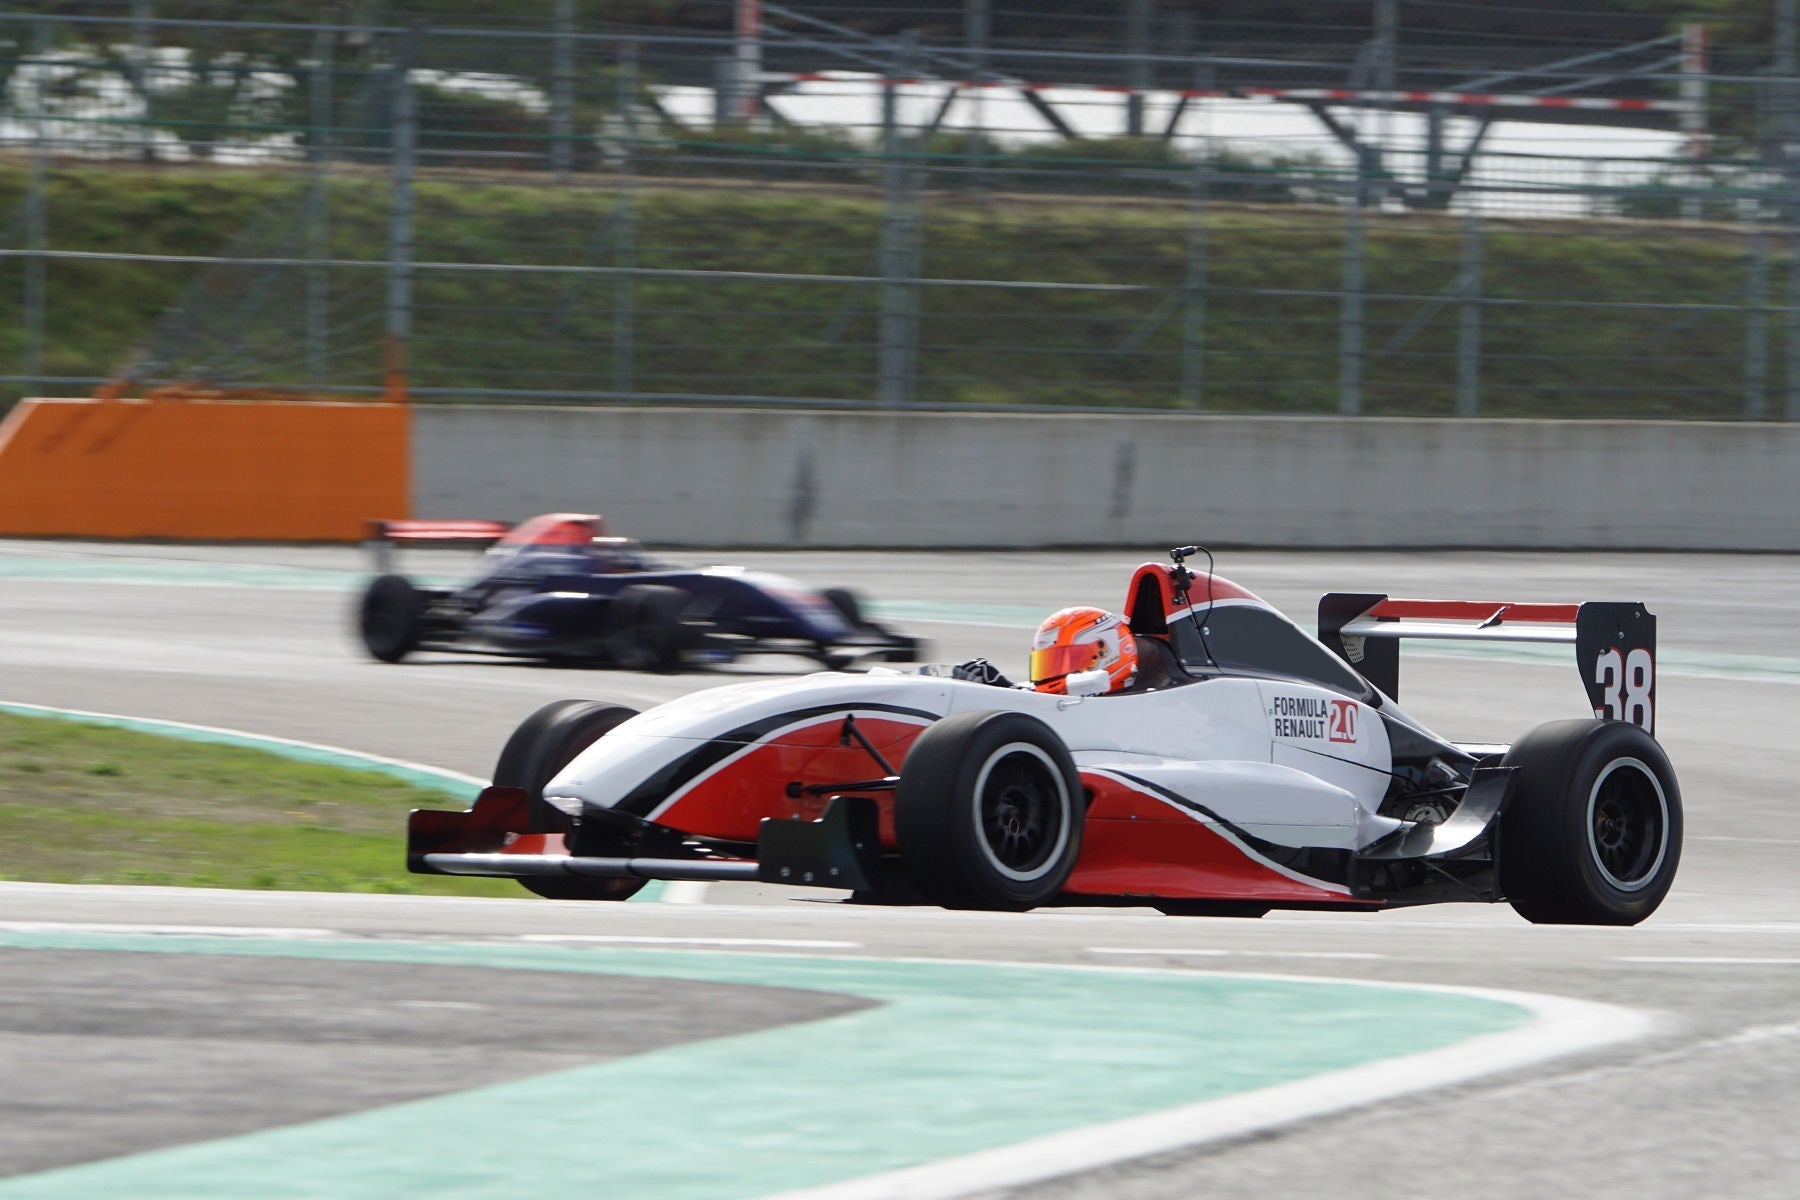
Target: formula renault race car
(557, 588)
(1249, 766)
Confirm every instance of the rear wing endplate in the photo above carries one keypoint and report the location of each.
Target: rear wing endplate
(1615, 642)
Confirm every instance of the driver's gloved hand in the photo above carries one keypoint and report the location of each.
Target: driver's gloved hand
(980, 670)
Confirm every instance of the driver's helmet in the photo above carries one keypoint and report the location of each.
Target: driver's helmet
(1073, 640)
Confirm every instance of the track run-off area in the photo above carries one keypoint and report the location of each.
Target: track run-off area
(738, 1040)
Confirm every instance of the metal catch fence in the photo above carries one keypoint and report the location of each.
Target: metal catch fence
(967, 204)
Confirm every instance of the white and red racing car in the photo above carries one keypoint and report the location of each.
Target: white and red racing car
(1250, 766)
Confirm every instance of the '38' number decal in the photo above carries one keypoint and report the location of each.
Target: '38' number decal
(1625, 683)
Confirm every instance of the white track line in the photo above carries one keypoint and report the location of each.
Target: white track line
(246, 931)
(1708, 961)
(244, 738)
(1192, 953)
(620, 939)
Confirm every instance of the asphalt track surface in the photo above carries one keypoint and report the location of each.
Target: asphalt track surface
(230, 1037)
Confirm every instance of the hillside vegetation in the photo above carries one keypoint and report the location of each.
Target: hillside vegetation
(1583, 318)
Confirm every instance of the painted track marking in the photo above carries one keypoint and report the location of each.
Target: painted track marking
(963, 1075)
(719, 943)
(1707, 960)
(1187, 952)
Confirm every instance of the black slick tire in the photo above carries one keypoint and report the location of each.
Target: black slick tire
(390, 618)
(988, 812)
(543, 744)
(1592, 835)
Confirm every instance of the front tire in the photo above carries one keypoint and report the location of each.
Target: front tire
(988, 812)
(1593, 833)
(644, 629)
(544, 743)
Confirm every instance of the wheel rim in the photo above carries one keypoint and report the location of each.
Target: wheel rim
(1021, 811)
(1628, 824)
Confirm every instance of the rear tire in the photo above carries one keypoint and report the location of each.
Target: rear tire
(390, 618)
(544, 743)
(644, 630)
(988, 812)
(1592, 835)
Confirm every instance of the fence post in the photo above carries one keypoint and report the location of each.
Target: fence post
(1793, 329)
(1756, 328)
(898, 364)
(142, 12)
(400, 219)
(1386, 73)
(625, 228)
(1468, 332)
(746, 61)
(1692, 118)
(1137, 48)
(318, 210)
(1350, 318)
(562, 90)
(1193, 334)
(977, 30)
(37, 217)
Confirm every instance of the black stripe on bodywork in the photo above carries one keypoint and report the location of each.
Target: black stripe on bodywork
(1315, 862)
(642, 800)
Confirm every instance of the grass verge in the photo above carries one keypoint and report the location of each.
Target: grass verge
(92, 804)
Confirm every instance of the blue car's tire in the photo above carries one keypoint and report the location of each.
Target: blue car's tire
(543, 744)
(643, 628)
(989, 812)
(1592, 835)
(391, 618)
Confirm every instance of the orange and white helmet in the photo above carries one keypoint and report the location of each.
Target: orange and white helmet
(1073, 640)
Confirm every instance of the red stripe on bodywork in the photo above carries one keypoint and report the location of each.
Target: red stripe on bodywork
(1137, 845)
(732, 799)
(1201, 588)
(1477, 610)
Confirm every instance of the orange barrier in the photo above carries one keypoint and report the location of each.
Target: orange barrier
(256, 470)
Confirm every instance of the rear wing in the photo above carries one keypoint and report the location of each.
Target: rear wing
(1615, 642)
(383, 536)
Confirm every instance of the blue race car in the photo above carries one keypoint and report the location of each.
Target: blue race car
(557, 588)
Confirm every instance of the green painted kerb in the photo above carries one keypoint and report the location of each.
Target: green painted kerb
(956, 1058)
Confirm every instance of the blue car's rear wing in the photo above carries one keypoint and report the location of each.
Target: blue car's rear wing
(383, 536)
(1615, 643)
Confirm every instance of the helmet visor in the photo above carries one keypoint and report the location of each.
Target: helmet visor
(1057, 661)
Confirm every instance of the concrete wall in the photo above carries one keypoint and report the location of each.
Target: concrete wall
(784, 478)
